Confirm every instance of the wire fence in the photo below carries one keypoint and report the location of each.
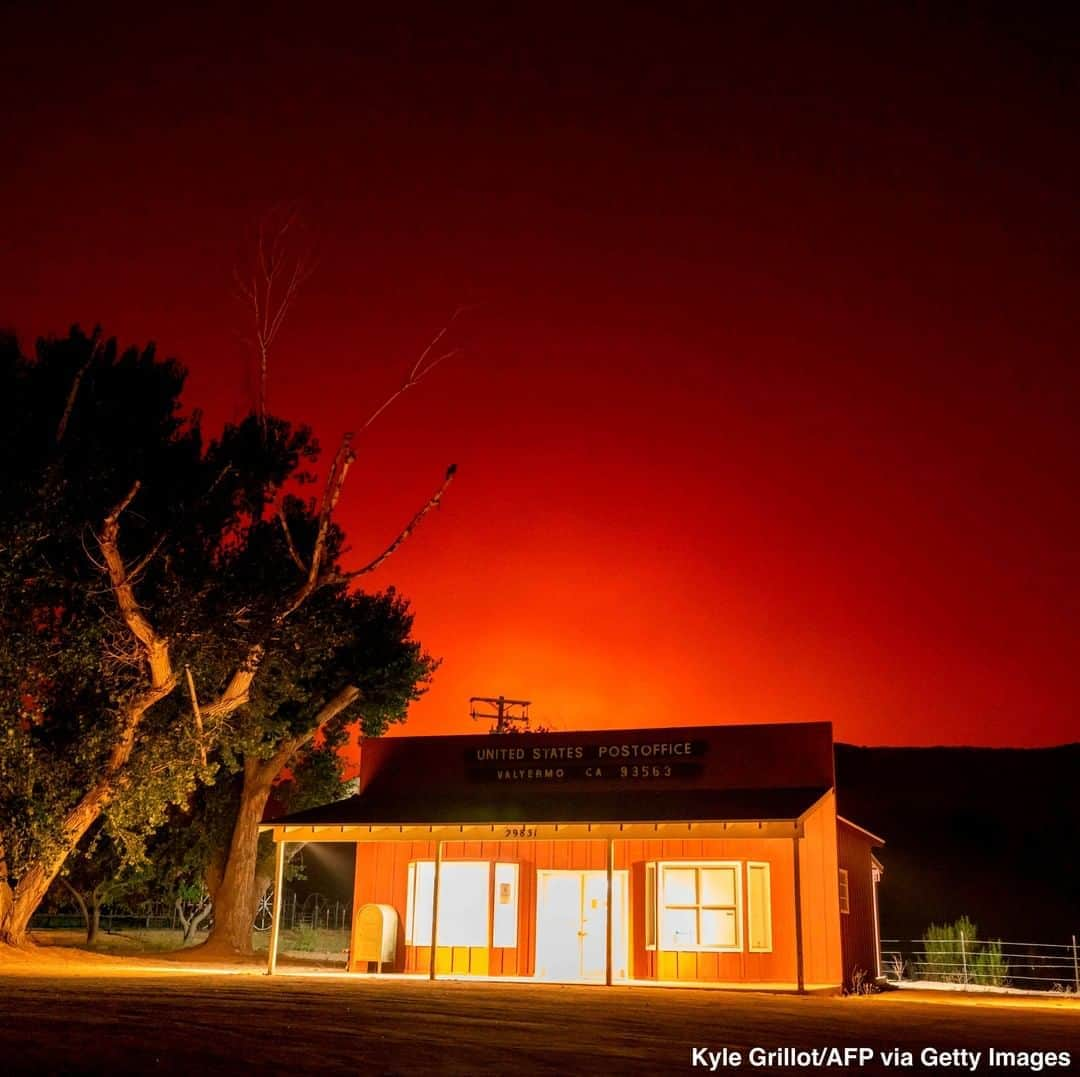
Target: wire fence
(1027, 966)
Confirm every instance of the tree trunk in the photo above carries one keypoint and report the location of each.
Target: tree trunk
(81, 902)
(93, 924)
(234, 902)
(192, 925)
(31, 889)
(7, 896)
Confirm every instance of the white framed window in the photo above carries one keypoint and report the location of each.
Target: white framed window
(759, 906)
(464, 903)
(465, 910)
(505, 916)
(700, 905)
(845, 893)
(418, 903)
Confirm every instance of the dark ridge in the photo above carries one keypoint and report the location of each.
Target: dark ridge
(991, 833)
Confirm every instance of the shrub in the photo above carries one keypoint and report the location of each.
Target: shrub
(952, 953)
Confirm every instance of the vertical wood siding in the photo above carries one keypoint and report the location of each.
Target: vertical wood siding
(382, 876)
(857, 932)
(819, 871)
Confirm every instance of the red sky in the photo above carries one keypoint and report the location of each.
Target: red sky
(768, 408)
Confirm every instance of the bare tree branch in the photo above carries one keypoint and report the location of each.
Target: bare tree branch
(73, 393)
(139, 567)
(155, 648)
(421, 368)
(79, 900)
(290, 544)
(268, 288)
(410, 527)
(270, 769)
(343, 460)
(237, 691)
(199, 734)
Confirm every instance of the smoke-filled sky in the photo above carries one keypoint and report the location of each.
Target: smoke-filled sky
(767, 404)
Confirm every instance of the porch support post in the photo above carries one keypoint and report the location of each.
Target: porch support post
(435, 909)
(275, 923)
(799, 974)
(877, 926)
(610, 906)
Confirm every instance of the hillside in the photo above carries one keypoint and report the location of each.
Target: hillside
(993, 833)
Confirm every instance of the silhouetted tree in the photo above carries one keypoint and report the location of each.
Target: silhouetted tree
(131, 550)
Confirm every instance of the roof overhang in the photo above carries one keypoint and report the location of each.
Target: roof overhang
(861, 830)
(501, 831)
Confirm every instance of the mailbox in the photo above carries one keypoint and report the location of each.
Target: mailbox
(376, 935)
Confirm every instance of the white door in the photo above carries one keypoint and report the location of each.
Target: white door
(571, 925)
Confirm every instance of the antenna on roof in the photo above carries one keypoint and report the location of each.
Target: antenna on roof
(508, 714)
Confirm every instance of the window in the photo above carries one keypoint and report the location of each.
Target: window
(759, 907)
(463, 903)
(465, 910)
(699, 906)
(845, 896)
(418, 903)
(504, 929)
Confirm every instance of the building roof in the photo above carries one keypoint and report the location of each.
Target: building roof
(554, 806)
(670, 774)
(872, 838)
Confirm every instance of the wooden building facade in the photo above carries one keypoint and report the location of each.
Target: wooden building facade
(703, 855)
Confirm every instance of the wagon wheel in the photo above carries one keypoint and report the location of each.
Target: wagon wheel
(264, 913)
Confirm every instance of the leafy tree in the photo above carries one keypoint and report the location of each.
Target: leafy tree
(132, 551)
(364, 672)
(96, 875)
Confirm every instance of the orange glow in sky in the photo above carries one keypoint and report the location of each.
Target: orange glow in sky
(767, 408)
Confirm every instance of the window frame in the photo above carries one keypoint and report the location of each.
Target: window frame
(843, 891)
(767, 867)
(424, 865)
(414, 871)
(662, 905)
(513, 917)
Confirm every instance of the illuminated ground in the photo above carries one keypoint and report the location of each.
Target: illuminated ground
(98, 1019)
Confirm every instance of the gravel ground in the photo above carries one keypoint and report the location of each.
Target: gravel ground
(119, 1020)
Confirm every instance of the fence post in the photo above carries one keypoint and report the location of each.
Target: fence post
(963, 956)
(1076, 967)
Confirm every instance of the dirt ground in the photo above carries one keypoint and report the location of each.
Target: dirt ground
(71, 1015)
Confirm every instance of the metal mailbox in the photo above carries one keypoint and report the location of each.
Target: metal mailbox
(376, 935)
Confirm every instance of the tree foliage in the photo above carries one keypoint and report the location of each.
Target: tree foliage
(134, 548)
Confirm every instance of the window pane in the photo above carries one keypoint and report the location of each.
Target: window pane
(717, 886)
(423, 891)
(718, 927)
(463, 903)
(679, 886)
(504, 929)
(680, 929)
(760, 910)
